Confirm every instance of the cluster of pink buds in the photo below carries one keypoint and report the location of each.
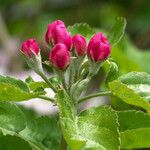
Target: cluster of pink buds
(97, 50)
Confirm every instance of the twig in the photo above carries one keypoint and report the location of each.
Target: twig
(94, 95)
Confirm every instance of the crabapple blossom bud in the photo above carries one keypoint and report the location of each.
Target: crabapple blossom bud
(63, 36)
(30, 46)
(57, 33)
(59, 56)
(80, 45)
(98, 48)
(50, 34)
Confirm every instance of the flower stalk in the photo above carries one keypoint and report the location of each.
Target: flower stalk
(47, 81)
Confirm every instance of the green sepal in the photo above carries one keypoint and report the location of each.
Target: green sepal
(34, 62)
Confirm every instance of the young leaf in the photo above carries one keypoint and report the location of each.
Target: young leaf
(11, 117)
(82, 28)
(111, 70)
(12, 89)
(117, 31)
(134, 129)
(133, 89)
(95, 128)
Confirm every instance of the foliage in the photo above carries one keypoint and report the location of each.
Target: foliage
(133, 88)
(100, 121)
(134, 124)
(38, 133)
(15, 90)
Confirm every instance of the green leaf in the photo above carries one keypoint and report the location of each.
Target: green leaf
(39, 133)
(35, 85)
(15, 90)
(128, 95)
(117, 31)
(118, 104)
(134, 129)
(133, 88)
(139, 82)
(11, 93)
(82, 28)
(11, 117)
(13, 143)
(43, 131)
(92, 129)
(12, 121)
(17, 83)
(40, 84)
(98, 126)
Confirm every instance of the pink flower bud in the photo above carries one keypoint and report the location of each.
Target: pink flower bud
(98, 48)
(79, 44)
(59, 56)
(30, 46)
(63, 36)
(50, 34)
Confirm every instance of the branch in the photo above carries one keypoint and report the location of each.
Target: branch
(94, 95)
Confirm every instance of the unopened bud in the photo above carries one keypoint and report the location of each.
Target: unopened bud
(98, 48)
(60, 57)
(79, 45)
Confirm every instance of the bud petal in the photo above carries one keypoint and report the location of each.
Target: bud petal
(63, 36)
(50, 34)
(79, 44)
(30, 46)
(59, 56)
(98, 48)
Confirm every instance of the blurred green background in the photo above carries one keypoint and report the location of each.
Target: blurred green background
(21, 19)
